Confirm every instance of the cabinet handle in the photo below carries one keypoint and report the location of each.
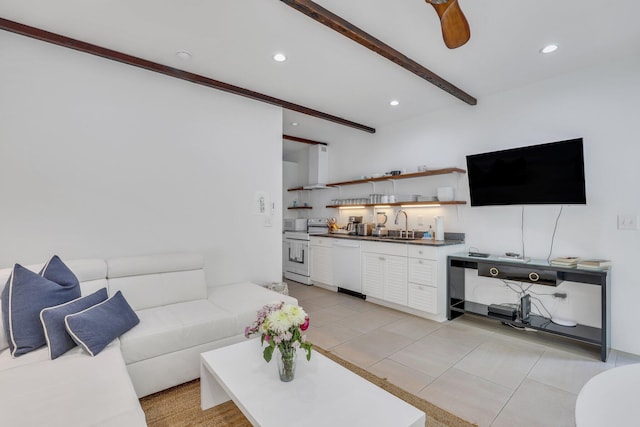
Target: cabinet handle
(420, 262)
(381, 258)
(420, 252)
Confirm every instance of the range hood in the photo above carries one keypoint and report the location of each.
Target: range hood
(318, 167)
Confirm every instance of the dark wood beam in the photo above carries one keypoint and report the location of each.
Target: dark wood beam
(347, 29)
(305, 141)
(92, 49)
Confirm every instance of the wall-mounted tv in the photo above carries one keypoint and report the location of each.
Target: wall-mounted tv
(542, 174)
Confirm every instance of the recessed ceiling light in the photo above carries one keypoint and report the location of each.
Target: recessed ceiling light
(184, 55)
(294, 123)
(279, 57)
(549, 48)
(394, 103)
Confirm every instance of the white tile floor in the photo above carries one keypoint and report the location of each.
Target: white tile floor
(480, 370)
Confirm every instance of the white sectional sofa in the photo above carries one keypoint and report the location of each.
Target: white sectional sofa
(180, 317)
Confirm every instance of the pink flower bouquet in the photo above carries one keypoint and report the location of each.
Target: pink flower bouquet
(281, 325)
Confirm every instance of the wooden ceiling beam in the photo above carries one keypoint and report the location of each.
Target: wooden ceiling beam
(303, 140)
(92, 49)
(347, 29)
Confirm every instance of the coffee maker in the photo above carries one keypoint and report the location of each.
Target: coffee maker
(352, 226)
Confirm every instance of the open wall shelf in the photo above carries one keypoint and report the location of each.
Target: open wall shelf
(416, 204)
(392, 178)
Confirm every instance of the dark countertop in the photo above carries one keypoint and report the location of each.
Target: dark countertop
(421, 242)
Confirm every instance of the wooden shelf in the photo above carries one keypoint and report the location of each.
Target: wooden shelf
(300, 207)
(367, 205)
(392, 178)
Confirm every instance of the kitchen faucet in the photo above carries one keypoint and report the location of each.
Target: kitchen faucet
(406, 222)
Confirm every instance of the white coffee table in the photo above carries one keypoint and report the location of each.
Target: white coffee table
(610, 398)
(323, 393)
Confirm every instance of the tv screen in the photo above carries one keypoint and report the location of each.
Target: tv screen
(542, 174)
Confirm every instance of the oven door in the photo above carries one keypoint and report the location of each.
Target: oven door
(296, 260)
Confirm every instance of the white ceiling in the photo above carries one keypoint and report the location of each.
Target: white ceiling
(234, 41)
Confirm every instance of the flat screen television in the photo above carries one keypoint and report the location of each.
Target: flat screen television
(542, 174)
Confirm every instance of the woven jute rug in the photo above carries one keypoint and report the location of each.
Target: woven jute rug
(180, 406)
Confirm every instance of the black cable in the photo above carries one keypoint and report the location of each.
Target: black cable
(554, 233)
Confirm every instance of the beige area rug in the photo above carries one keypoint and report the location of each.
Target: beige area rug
(180, 406)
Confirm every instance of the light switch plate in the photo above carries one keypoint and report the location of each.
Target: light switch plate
(627, 222)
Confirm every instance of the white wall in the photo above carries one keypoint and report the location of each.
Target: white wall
(599, 104)
(101, 159)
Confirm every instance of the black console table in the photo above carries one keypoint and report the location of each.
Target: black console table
(539, 272)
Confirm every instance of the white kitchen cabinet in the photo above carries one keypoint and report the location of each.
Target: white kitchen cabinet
(423, 279)
(322, 260)
(395, 285)
(372, 274)
(423, 285)
(384, 271)
(403, 276)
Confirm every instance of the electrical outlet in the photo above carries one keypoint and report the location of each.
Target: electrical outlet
(627, 222)
(420, 220)
(267, 221)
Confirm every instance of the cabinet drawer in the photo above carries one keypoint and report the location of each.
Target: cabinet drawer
(424, 252)
(424, 298)
(325, 242)
(398, 249)
(423, 272)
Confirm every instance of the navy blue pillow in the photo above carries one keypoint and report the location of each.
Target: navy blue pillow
(94, 328)
(52, 318)
(23, 297)
(56, 271)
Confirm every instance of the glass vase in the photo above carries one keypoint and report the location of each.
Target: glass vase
(287, 364)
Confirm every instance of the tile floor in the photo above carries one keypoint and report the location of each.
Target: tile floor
(480, 370)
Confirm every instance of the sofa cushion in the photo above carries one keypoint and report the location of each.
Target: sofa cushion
(154, 290)
(72, 391)
(176, 327)
(25, 295)
(58, 339)
(245, 299)
(156, 280)
(95, 327)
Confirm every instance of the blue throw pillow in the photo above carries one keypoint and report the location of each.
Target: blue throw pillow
(56, 271)
(55, 330)
(23, 297)
(94, 328)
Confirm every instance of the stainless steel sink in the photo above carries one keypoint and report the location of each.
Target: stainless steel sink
(400, 238)
(400, 235)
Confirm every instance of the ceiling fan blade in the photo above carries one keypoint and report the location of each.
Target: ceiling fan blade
(455, 28)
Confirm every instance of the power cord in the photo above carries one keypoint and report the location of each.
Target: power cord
(553, 237)
(522, 291)
(522, 230)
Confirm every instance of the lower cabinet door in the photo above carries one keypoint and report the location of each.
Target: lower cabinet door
(395, 285)
(372, 274)
(422, 297)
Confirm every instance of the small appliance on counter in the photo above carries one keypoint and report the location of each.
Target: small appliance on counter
(352, 226)
(318, 226)
(294, 224)
(363, 229)
(380, 230)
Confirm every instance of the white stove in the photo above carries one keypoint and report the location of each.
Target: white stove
(296, 252)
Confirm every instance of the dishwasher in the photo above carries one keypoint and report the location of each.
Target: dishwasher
(347, 267)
